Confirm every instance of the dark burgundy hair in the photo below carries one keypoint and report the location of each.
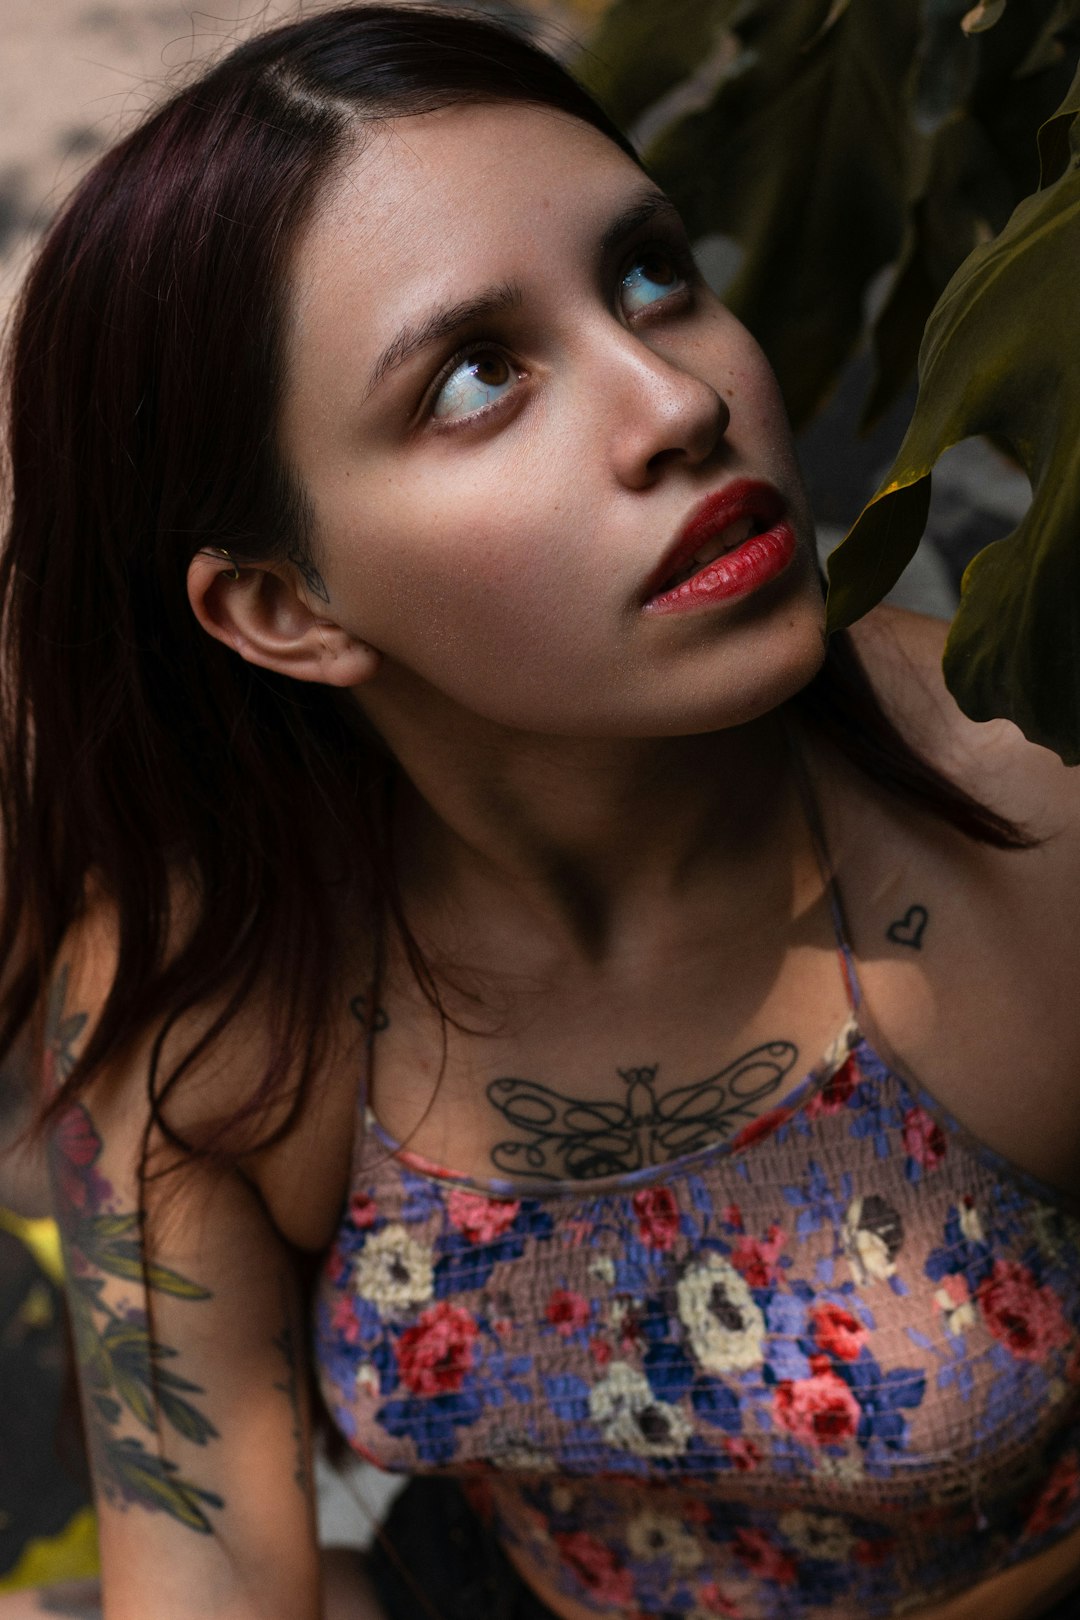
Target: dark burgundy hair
(142, 391)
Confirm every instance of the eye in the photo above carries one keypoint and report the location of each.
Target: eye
(477, 379)
(655, 274)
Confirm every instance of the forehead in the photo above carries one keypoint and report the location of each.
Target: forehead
(433, 206)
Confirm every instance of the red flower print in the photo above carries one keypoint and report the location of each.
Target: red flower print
(566, 1311)
(835, 1092)
(754, 1549)
(600, 1351)
(435, 1354)
(481, 1219)
(343, 1320)
(924, 1139)
(755, 1258)
(363, 1211)
(658, 1216)
(629, 1325)
(764, 1125)
(1056, 1497)
(820, 1411)
(596, 1567)
(837, 1331)
(76, 1148)
(575, 1232)
(743, 1453)
(76, 1137)
(1026, 1318)
(732, 1216)
(713, 1601)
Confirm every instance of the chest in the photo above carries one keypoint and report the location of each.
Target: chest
(964, 986)
(854, 1293)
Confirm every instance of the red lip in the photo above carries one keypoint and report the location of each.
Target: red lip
(757, 559)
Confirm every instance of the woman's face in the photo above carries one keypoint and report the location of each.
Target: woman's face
(509, 395)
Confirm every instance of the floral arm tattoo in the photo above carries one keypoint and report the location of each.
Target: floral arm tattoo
(123, 1366)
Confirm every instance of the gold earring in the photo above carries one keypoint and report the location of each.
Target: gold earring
(221, 552)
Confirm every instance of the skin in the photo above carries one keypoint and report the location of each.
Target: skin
(600, 828)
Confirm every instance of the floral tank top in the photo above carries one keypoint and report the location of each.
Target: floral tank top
(827, 1367)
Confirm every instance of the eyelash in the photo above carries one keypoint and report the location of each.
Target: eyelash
(682, 261)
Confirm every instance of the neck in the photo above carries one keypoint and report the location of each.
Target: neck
(588, 838)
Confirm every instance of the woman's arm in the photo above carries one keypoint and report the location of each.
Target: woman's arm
(347, 1594)
(193, 1389)
(190, 1349)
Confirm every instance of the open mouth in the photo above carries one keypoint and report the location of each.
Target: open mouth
(727, 539)
(737, 540)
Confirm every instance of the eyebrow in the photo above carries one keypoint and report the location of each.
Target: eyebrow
(442, 324)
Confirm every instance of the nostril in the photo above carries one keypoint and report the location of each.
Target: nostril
(662, 458)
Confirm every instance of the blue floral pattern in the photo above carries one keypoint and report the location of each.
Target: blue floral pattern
(817, 1369)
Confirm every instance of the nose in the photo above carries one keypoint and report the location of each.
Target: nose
(662, 414)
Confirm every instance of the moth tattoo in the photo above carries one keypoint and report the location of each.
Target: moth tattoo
(565, 1138)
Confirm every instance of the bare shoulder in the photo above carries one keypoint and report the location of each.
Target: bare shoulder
(992, 760)
(991, 994)
(301, 1170)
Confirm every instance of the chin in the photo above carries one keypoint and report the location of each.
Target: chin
(761, 666)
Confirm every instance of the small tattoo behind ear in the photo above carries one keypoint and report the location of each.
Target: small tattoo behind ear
(360, 1010)
(909, 929)
(309, 574)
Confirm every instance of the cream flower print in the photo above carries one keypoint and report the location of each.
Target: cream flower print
(971, 1223)
(393, 1271)
(953, 1300)
(847, 1470)
(513, 1450)
(873, 1235)
(631, 1417)
(841, 1046)
(726, 1328)
(651, 1536)
(818, 1535)
(367, 1379)
(604, 1269)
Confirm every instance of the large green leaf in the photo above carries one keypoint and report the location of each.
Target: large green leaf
(803, 156)
(959, 198)
(977, 103)
(644, 48)
(1001, 357)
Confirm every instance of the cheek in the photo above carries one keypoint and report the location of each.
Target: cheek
(736, 365)
(466, 570)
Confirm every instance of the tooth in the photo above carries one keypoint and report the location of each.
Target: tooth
(718, 544)
(725, 540)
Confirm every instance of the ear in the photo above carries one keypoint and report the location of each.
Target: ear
(262, 611)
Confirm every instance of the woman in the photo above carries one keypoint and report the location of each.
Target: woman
(416, 701)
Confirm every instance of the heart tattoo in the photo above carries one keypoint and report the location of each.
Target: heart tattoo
(909, 929)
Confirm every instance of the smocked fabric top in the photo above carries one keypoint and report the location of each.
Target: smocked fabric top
(829, 1367)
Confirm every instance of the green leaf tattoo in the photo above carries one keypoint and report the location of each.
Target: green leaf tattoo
(152, 1481)
(123, 1365)
(61, 1033)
